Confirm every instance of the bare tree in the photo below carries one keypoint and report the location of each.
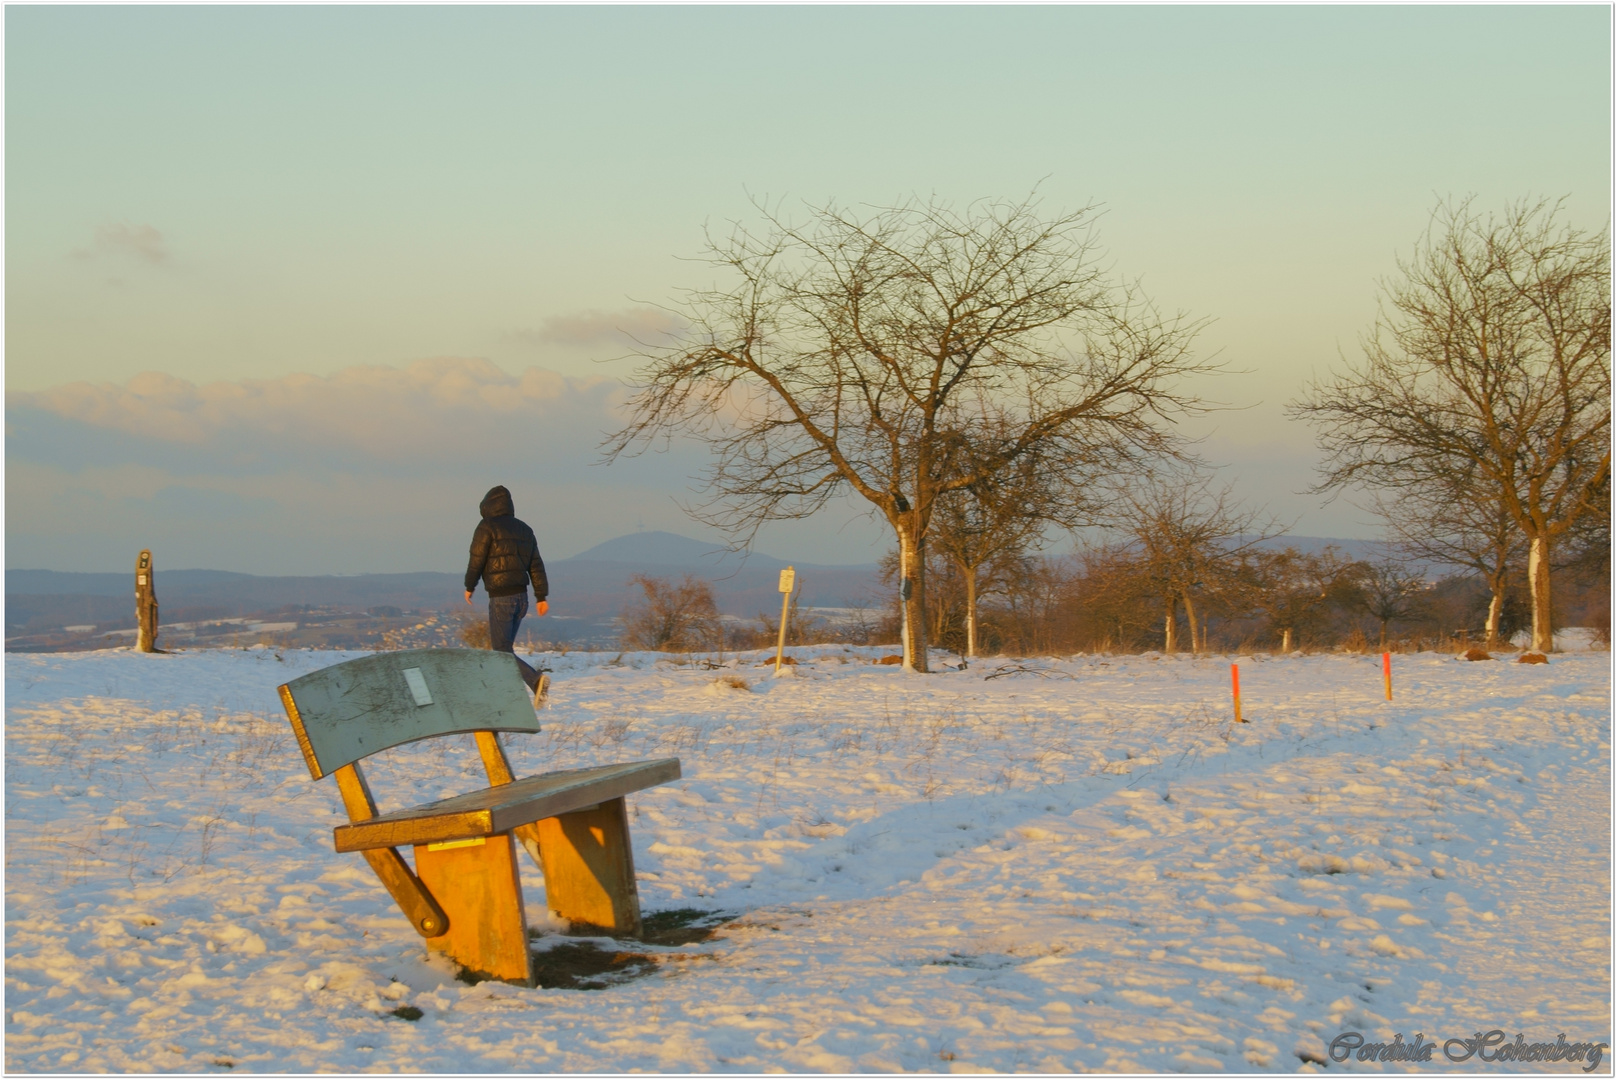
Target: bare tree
(1189, 540)
(1389, 591)
(1458, 521)
(1115, 597)
(1037, 594)
(1294, 588)
(672, 617)
(994, 522)
(1491, 358)
(868, 353)
(1588, 542)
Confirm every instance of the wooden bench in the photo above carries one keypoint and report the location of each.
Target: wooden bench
(464, 894)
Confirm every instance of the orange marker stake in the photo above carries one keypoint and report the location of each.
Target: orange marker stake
(1235, 687)
(1386, 672)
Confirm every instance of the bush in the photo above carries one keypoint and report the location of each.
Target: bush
(474, 632)
(673, 617)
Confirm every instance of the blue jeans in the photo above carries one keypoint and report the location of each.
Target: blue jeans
(505, 614)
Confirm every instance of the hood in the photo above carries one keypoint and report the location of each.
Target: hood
(497, 503)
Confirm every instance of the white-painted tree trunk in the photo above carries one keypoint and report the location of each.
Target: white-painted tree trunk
(971, 613)
(1538, 583)
(1496, 607)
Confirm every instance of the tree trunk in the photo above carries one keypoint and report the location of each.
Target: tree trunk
(1496, 607)
(1170, 631)
(971, 613)
(1197, 640)
(903, 602)
(1285, 641)
(915, 606)
(1538, 582)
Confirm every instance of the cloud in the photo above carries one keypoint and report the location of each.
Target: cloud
(432, 415)
(629, 326)
(141, 242)
(367, 469)
(195, 504)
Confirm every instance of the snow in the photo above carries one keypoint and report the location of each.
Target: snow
(1042, 865)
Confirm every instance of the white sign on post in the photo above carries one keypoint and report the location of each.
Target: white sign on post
(787, 577)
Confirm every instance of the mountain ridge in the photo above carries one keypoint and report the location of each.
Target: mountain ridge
(656, 550)
(586, 594)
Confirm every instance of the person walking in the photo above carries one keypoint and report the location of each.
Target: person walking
(505, 556)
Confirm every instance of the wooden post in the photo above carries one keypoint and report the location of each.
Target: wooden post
(145, 604)
(788, 577)
(1235, 688)
(1386, 672)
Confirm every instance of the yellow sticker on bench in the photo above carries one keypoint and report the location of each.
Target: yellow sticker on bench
(445, 845)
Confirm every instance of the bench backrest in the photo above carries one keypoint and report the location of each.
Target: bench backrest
(350, 711)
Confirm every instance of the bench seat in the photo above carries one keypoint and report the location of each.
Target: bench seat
(505, 807)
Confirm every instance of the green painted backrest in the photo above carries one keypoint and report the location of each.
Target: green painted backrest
(352, 710)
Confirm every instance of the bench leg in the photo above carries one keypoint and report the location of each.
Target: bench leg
(589, 869)
(476, 884)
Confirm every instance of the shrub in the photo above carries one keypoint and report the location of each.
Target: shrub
(672, 617)
(474, 632)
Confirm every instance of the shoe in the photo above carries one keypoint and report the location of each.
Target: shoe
(541, 691)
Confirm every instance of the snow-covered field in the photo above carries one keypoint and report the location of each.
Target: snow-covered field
(1045, 865)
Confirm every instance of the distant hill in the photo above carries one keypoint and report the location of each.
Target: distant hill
(1370, 551)
(671, 549)
(1356, 550)
(214, 587)
(587, 591)
(597, 583)
(39, 582)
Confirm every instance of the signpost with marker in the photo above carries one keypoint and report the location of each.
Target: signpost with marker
(788, 578)
(145, 604)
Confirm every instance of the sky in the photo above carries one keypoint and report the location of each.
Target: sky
(288, 288)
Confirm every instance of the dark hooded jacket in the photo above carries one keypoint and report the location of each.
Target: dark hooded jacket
(504, 552)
